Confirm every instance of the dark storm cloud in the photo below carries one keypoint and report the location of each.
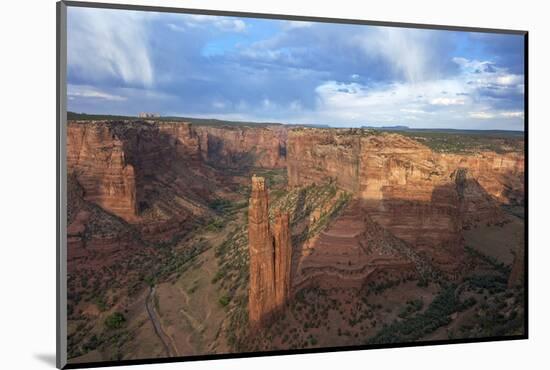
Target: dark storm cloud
(123, 62)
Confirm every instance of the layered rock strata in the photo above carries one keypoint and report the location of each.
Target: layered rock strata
(270, 256)
(98, 159)
(421, 197)
(351, 250)
(243, 146)
(148, 174)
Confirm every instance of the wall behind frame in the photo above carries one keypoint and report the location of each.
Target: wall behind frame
(27, 154)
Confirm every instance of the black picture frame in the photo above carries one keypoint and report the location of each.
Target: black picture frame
(61, 177)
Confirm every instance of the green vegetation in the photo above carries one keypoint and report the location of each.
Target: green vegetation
(378, 288)
(274, 177)
(492, 283)
(492, 261)
(411, 307)
(220, 205)
(224, 300)
(417, 326)
(115, 321)
(195, 121)
(216, 225)
(468, 141)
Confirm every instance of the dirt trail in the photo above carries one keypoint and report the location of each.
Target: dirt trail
(167, 341)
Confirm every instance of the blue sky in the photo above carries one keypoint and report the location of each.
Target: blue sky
(125, 62)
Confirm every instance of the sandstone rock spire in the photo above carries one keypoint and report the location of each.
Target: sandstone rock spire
(270, 254)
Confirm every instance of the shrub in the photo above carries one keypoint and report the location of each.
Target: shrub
(224, 300)
(115, 321)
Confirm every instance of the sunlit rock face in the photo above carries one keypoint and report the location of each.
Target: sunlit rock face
(422, 197)
(270, 256)
(98, 159)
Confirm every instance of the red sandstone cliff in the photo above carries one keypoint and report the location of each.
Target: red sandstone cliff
(270, 254)
(97, 158)
(406, 188)
(241, 146)
(500, 175)
(149, 174)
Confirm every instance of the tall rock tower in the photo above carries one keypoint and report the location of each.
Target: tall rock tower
(269, 256)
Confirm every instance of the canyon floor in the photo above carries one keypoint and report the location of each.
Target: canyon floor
(355, 280)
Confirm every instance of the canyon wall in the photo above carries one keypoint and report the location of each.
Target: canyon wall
(243, 146)
(270, 253)
(98, 159)
(501, 175)
(148, 174)
(422, 197)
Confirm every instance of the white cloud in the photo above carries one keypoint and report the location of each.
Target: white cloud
(297, 24)
(415, 111)
(175, 27)
(431, 103)
(227, 24)
(485, 74)
(104, 43)
(512, 114)
(89, 92)
(447, 101)
(482, 115)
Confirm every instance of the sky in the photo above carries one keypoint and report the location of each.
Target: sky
(125, 62)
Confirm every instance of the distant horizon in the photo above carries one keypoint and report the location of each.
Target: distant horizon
(363, 126)
(269, 70)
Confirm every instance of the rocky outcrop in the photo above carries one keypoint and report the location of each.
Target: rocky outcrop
(270, 254)
(500, 175)
(351, 250)
(149, 174)
(183, 139)
(98, 159)
(421, 197)
(123, 166)
(476, 206)
(243, 146)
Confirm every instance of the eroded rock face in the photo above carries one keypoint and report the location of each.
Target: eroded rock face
(416, 194)
(500, 175)
(148, 173)
(243, 146)
(270, 254)
(476, 206)
(352, 250)
(98, 159)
